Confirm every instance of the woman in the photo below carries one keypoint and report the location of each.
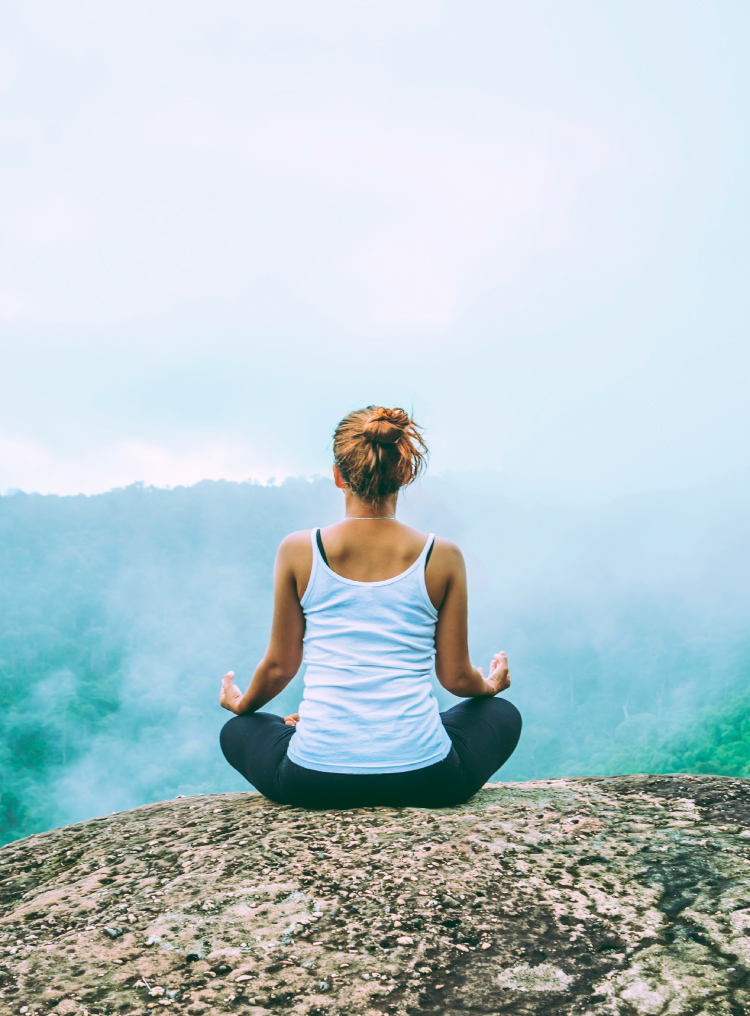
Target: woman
(372, 603)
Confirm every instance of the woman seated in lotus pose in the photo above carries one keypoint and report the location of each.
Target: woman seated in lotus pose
(372, 604)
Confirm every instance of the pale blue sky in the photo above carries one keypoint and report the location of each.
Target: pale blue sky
(226, 224)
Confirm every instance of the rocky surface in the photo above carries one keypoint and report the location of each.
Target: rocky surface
(627, 895)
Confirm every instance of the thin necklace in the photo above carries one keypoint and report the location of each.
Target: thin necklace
(372, 518)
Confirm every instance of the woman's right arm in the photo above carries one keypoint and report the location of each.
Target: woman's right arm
(284, 654)
(452, 664)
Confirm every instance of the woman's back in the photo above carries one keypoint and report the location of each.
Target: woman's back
(368, 705)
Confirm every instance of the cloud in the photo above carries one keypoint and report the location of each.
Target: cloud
(33, 468)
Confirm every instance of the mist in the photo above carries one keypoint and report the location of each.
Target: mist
(624, 623)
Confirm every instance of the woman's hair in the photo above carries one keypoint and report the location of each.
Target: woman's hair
(378, 451)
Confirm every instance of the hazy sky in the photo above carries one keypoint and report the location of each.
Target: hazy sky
(225, 224)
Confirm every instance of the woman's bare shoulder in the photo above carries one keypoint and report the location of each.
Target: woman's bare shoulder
(445, 570)
(443, 550)
(447, 549)
(295, 547)
(298, 539)
(294, 560)
(446, 558)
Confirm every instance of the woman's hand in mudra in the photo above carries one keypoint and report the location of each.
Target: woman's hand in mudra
(499, 678)
(230, 695)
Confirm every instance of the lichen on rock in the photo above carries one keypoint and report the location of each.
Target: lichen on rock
(611, 895)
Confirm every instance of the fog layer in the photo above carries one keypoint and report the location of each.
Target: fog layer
(625, 626)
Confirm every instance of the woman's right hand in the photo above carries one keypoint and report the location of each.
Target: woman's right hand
(499, 677)
(230, 695)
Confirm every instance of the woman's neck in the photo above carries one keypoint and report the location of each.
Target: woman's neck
(384, 510)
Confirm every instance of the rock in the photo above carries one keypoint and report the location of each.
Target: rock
(618, 895)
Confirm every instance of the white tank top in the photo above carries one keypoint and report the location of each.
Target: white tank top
(368, 706)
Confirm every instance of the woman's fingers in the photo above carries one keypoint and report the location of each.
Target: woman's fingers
(499, 671)
(292, 720)
(229, 693)
(499, 663)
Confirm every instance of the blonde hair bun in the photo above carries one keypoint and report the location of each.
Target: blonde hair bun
(386, 426)
(378, 451)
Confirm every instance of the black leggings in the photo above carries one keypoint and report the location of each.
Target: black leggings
(484, 732)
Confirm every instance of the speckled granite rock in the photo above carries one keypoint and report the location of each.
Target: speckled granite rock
(627, 895)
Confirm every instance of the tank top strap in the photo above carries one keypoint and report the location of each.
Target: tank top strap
(427, 550)
(317, 546)
(317, 541)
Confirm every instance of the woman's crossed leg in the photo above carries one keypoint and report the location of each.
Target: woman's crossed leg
(484, 733)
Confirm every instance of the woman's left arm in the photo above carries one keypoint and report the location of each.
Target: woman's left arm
(284, 654)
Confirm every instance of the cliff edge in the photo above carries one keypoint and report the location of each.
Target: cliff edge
(618, 895)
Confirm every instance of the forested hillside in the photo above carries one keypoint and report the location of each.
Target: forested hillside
(625, 626)
(119, 615)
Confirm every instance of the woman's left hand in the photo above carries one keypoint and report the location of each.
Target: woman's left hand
(230, 695)
(292, 721)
